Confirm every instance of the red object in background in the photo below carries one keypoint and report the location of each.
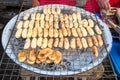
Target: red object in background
(92, 5)
(65, 2)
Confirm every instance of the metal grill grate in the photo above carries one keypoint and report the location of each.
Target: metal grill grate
(11, 71)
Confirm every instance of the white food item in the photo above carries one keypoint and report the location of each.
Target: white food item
(34, 43)
(27, 43)
(19, 25)
(24, 33)
(39, 41)
(18, 33)
(26, 24)
(26, 17)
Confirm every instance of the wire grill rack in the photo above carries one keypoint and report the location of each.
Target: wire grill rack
(11, 71)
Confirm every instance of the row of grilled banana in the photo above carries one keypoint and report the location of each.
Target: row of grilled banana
(45, 55)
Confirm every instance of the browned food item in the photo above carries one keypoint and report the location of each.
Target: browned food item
(64, 31)
(34, 43)
(79, 32)
(74, 32)
(38, 61)
(97, 29)
(60, 33)
(65, 17)
(39, 41)
(55, 31)
(62, 24)
(47, 17)
(29, 33)
(27, 15)
(58, 57)
(22, 55)
(90, 31)
(38, 16)
(95, 51)
(40, 32)
(56, 42)
(44, 43)
(18, 33)
(19, 25)
(51, 32)
(67, 25)
(46, 24)
(69, 31)
(78, 16)
(31, 24)
(50, 43)
(95, 41)
(58, 10)
(45, 32)
(26, 24)
(75, 24)
(55, 17)
(80, 23)
(61, 18)
(42, 24)
(79, 43)
(51, 18)
(56, 25)
(31, 58)
(27, 43)
(100, 40)
(90, 22)
(66, 43)
(73, 43)
(61, 43)
(34, 32)
(71, 24)
(85, 22)
(84, 43)
(70, 18)
(89, 41)
(84, 32)
(74, 17)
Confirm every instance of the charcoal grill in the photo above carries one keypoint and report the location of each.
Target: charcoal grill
(74, 67)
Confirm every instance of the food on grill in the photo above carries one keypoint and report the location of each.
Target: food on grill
(42, 17)
(60, 33)
(33, 16)
(80, 23)
(51, 18)
(29, 33)
(34, 43)
(75, 24)
(27, 15)
(85, 23)
(53, 10)
(22, 55)
(79, 32)
(26, 24)
(61, 17)
(69, 31)
(37, 23)
(56, 33)
(56, 42)
(27, 43)
(49, 10)
(90, 31)
(91, 23)
(56, 25)
(19, 25)
(45, 10)
(84, 43)
(18, 33)
(38, 16)
(31, 57)
(51, 34)
(39, 41)
(31, 24)
(58, 11)
(79, 43)
(84, 32)
(70, 18)
(64, 31)
(95, 51)
(74, 32)
(74, 17)
(42, 24)
(97, 29)
(45, 32)
(50, 43)
(47, 17)
(73, 43)
(100, 40)
(34, 32)
(89, 41)
(40, 32)
(71, 25)
(58, 57)
(44, 43)
(66, 43)
(78, 16)
(60, 45)
(95, 41)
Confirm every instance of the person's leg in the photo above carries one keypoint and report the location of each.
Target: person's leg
(81, 3)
